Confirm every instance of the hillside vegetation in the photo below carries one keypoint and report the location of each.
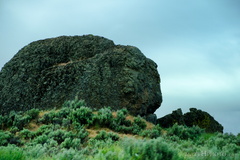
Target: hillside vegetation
(77, 132)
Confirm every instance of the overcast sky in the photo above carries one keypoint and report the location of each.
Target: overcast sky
(196, 43)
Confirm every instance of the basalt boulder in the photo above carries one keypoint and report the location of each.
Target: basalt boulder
(195, 117)
(202, 119)
(46, 73)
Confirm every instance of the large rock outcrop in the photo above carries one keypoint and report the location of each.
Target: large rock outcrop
(194, 117)
(48, 72)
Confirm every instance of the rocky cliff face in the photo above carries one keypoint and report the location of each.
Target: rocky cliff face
(48, 72)
(194, 117)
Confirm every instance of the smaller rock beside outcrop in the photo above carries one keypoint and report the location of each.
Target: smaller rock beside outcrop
(170, 119)
(194, 117)
(203, 120)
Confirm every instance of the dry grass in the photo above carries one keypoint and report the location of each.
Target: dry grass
(41, 114)
(93, 132)
(114, 114)
(33, 126)
(69, 62)
(62, 64)
(122, 135)
(149, 125)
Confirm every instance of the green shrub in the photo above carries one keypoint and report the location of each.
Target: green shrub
(184, 132)
(104, 117)
(120, 123)
(74, 104)
(174, 138)
(149, 149)
(44, 129)
(21, 121)
(8, 138)
(82, 115)
(150, 133)
(59, 135)
(48, 118)
(111, 152)
(4, 122)
(155, 132)
(51, 144)
(124, 129)
(4, 138)
(104, 136)
(231, 148)
(33, 113)
(72, 111)
(220, 140)
(63, 112)
(71, 143)
(121, 118)
(57, 121)
(95, 144)
(69, 154)
(66, 123)
(14, 119)
(42, 139)
(82, 134)
(11, 118)
(135, 129)
(187, 146)
(26, 134)
(67, 143)
(113, 136)
(46, 133)
(139, 122)
(155, 149)
(11, 153)
(70, 134)
(14, 129)
(56, 117)
(37, 151)
(124, 111)
(138, 125)
(230, 138)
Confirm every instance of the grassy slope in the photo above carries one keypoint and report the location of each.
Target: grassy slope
(33, 125)
(96, 140)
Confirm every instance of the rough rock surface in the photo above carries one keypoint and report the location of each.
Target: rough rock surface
(194, 117)
(48, 72)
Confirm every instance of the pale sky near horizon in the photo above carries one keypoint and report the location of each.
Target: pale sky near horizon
(196, 43)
